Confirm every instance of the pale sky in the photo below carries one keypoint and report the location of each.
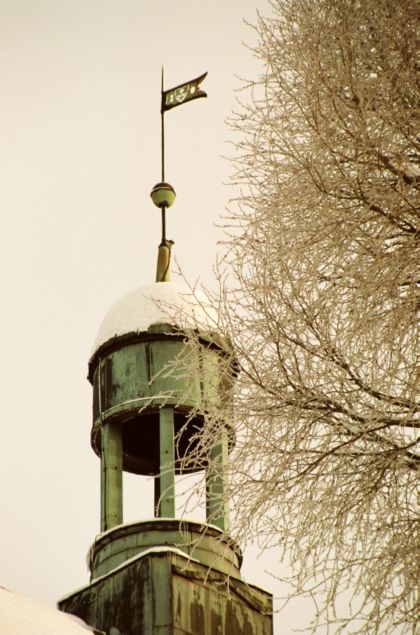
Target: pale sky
(79, 155)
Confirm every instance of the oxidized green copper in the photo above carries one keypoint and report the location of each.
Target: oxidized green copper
(111, 476)
(139, 409)
(168, 593)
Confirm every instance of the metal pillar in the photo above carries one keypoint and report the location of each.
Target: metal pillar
(111, 477)
(217, 506)
(165, 481)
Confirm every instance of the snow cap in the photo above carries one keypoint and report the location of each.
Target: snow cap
(22, 616)
(157, 303)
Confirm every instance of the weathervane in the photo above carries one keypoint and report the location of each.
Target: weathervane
(163, 195)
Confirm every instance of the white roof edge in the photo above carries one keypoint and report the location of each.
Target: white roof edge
(154, 519)
(146, 552)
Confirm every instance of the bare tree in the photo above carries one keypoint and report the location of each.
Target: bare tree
(319, 292)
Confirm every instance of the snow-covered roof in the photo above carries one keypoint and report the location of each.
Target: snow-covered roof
(158, 303)
(20, 615)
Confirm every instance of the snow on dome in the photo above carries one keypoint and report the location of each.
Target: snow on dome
(22, 616)
(158, 303)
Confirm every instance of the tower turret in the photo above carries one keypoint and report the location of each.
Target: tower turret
(147, 414)
(152, 392)
(164, 576)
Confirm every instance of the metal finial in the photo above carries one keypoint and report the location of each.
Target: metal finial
(163, 195)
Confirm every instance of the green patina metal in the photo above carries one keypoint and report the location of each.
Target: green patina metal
(205, 543)
(165, 593)
(133, 371)
(217, 507)
(111, 476)
(165, 481)
(143, 400)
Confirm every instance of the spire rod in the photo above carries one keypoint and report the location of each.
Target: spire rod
(163, 194)
(162, 128)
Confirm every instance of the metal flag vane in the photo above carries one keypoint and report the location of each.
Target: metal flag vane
(163, 195)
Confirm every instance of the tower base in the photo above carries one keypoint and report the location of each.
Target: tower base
(163, 591)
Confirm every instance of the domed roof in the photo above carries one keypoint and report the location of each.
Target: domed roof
(158, 303)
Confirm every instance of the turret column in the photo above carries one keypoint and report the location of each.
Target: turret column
(111, 476)
(165, 480)
(217, 506)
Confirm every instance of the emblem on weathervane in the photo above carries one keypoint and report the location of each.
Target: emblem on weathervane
(181, 94)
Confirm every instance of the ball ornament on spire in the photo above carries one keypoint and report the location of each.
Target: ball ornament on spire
(163, 195)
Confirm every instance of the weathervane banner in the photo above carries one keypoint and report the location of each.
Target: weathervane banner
(183, 93)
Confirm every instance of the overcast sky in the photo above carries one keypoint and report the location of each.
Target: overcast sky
(79, 154)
